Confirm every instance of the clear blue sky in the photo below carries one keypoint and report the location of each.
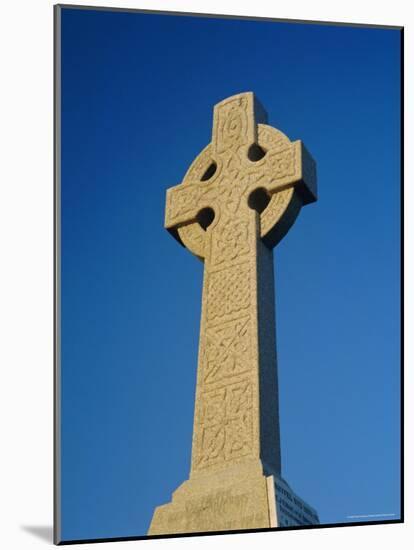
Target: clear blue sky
(137, 98)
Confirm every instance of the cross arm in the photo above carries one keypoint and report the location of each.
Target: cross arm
(292, 166)
(185, 201)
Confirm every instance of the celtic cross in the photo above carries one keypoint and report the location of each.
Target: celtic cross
(238, 199)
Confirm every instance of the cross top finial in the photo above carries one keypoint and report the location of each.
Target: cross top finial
(247, 163)
(235, 122)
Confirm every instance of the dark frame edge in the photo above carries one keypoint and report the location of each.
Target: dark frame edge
(235, 532)
(229, 16)
(402, 262)
(56, 273)
(57, 10)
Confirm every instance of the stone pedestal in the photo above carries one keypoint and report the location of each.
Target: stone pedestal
(241, 497)
(237, 499)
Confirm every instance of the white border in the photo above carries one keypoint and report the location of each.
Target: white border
(26, 235)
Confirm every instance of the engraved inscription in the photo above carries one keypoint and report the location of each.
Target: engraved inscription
(220, 509)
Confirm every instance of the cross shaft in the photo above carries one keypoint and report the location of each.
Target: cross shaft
(236, 412)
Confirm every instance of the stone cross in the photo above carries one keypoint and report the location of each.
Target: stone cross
(237, 200)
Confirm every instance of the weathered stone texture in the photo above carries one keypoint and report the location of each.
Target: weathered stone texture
(238, 199)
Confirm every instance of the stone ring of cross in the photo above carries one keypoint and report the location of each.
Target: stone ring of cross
(249, 173)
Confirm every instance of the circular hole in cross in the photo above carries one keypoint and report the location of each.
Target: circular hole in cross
(209, 173)
(205, 217)
(258, 200)
(255, 152)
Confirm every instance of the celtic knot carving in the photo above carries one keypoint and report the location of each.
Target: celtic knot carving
(231, 241)
(188, 199)
(227, 351)
(236, 174)
(231, 125)
(272, 139)
(228, 291)
(184, 200)
(281, 164)
(214, 407)
(232, 168)
(239, 428)
(231, 198)
(226, 425)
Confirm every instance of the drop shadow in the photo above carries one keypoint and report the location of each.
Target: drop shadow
(44, 532)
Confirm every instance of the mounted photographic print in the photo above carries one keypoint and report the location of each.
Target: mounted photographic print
(228, 256)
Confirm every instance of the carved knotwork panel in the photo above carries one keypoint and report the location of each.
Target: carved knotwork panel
(185, 201)
(231, 124)
(281, 164)
(226, 425)
(231, 241)
(228, 292)
(227, 351)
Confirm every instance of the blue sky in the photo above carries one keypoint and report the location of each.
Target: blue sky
(137, 98)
